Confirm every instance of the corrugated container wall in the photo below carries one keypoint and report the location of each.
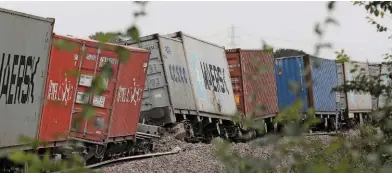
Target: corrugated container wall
(117, 108)
(210, 77)
(24, 47)
(168, 87)
(375, 70)
(357, 101)
(323, 78)
(252, 87)
(386, 81)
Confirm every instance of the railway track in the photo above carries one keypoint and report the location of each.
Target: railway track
(176, 150)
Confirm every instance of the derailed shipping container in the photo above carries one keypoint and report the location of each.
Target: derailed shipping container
(210, 77)
(386, 81)
(323, 77)
(168, 87)
(25, 50)
(354, 101)
(116, 110)
(177, 80)
(249, 82)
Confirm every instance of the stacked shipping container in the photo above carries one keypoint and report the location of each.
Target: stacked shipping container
(322, 79)
(249, 81)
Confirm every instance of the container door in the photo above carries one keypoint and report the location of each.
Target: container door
(95, 128)
(288, 71)
(233, 59)
(59, 93)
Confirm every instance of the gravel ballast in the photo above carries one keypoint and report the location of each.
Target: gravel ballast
(193, 158)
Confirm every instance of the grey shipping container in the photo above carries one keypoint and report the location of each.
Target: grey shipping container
(374, 71)
(176, 85)
(168, 90)
(25, 47)
(354, 101)
(210, 76)
(385, 80)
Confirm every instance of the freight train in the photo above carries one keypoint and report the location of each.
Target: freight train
(173, 80)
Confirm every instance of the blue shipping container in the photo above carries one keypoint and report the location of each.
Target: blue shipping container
(324, 79)
(323, 76)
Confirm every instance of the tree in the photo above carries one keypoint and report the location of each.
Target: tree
(288, 52)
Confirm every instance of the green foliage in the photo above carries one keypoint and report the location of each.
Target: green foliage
(288, 52)
(37, 163)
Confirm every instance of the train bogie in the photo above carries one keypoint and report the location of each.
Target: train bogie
(25, 48)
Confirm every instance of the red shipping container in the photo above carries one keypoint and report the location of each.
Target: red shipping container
(117, 109)
(253, 85)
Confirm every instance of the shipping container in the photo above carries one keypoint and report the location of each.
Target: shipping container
(24, 48)
(210, 77)
(386, 69)
(356, 101)
(168, 88)
(116, 110)
(252, 86)
(322, 79)
(375, 70)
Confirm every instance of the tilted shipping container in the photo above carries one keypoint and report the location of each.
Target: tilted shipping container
(210, 77)
(354, 101)
(249, 81)
(168, 88)
(386, 81)
(24, 48)
(322, 79)
(375, 70)
(179, 83)
(116, 110)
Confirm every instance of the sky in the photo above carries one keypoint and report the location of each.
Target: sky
(280, 24)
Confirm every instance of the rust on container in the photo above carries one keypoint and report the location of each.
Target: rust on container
(59, 92)
(252, 86)
(116, 109)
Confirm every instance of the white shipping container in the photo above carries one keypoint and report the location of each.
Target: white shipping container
(24, 48)
(210, 77)
(357, 101)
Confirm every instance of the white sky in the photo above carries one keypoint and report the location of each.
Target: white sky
(282, 24)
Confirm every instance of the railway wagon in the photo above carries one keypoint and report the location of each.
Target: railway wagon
(354, 105)
(188, 85)
(250, 81)
(315, 89)
(112, 128)
(24, 49)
